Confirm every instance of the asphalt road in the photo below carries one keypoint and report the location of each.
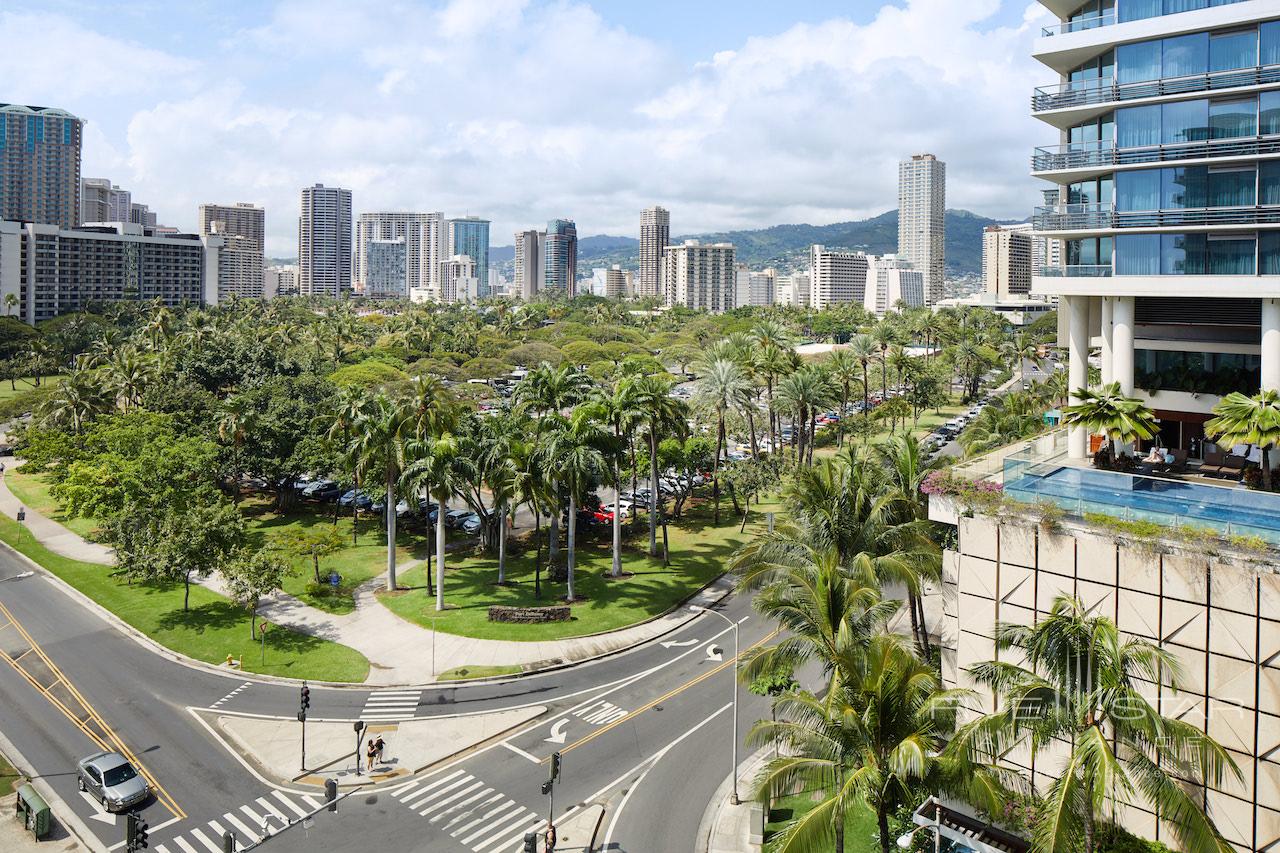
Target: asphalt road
(647, 732)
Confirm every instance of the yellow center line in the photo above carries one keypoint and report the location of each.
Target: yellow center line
(664, 697)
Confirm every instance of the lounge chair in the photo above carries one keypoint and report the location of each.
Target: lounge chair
(1212, 465)
(1233, 466)
(1179, 463)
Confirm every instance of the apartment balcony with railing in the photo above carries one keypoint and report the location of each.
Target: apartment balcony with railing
(1105, 217)
(1107, 90)
(1131, 11)
(1106, 154)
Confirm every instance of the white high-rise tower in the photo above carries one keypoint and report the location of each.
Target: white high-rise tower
(922, 207)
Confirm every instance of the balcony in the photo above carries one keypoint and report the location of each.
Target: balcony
(1107, 20)
(1076, 271)
(1083, 93)
(1094, 155)
(1105, 217)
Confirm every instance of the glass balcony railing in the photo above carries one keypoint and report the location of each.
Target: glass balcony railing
(1076, 271)
(1082, 93)
(1084, 155)
(1103, 217)
(1080, 25)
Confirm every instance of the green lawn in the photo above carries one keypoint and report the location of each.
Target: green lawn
(211, 630)
(699, 551)
(8, 777)
(34, 491)
(8, 389)
(860, 832)
(929, 421)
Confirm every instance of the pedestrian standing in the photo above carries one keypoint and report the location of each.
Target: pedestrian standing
(379, 745)
(369, 755)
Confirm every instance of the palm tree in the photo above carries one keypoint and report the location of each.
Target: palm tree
(234, 425)
(431, 466)
(905, 469)
(721, 387)
(379, 446)
(621, 410)
(498, 462)
(885, 336)
(1248, 420)
(349, 410)
(10, 303)
(1085, 686)
(662, 414)
(863, 349)
(578, 447)
(1005, 420)
(74, 402)
(843, 366)
(1108, 410)
(774, 348)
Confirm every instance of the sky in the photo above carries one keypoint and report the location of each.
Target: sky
(730, 113)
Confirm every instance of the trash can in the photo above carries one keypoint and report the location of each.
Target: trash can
(33, 811)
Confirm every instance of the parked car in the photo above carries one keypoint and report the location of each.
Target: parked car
(321, 490)
(462, 519)
(358, 498)
(429, 510)
(110, 778)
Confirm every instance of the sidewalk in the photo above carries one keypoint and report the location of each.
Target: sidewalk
(727, 828)
(399, 652)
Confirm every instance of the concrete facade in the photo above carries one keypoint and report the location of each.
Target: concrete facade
(922, 209)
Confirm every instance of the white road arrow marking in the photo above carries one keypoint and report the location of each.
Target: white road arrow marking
(714, 653)
(672, 644)
(558, 733)
(99, 813)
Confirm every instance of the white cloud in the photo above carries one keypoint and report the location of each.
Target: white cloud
(524, 111)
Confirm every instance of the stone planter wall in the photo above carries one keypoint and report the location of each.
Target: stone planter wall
(529, 615)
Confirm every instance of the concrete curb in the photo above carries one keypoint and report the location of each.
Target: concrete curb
(710, 823)
(61, 811)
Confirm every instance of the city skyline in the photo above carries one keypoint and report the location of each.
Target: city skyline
(704, 111)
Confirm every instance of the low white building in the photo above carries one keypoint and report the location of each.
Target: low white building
(892, 282)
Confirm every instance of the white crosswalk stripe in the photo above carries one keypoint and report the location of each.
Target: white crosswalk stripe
(244, 821)
(390, 705)
(478, 816)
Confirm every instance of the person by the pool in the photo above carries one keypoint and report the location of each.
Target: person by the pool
(1156, 455)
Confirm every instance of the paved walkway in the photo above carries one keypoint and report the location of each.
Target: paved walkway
(399, 651)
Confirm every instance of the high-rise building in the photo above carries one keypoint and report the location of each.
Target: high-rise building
(140, 214)
(324, 241)
(700, 275)
(425, 237)
(836, 277)
(560, 259)
(615, 282)
(53, 270)
(470, 236)
(279, 281)
(530, 256)
(655, 235)
(384, 270)
(458, 280)
(243, 228)
(793, 290)
(922, 217)
(40, 165)
(1007, 259)
(755, 287)
(103, 201)
(892, 282)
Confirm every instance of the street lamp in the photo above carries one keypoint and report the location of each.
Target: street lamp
(734, 625)
(904, 841)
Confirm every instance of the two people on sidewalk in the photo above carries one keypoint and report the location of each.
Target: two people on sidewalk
(374, 752)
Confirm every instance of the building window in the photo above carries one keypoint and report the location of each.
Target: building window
(1138, 254)
(1230, 51)
(1231, 119)
(1139, 127)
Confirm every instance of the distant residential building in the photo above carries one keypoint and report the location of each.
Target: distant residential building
(40, 165)
(103, 201)
(458, 280)
(425, 236)
(529, 257)
(560, 258)
(755, 287)
(615, 282)
(792, 289)
(279, 281)
(922, 209)
(496, 284)
(655, 235)
(53, 270)
(243, 228)
(700, 275)
(891, 281)
(324, 241)
(384, 273)
(835, 277)
(140, 214)
(470, 236)
(1007, 260)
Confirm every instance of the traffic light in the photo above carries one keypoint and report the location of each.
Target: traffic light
(140, 833)
(531, 842)
(130, 831)
(546, 787)
(306, 697)
(555, 766)
(331, 793)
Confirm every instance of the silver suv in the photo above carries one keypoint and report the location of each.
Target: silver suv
(112, 779)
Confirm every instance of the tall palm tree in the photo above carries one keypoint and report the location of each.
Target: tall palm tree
(1108, 410)
(863, 349)
(379, 447)
(621, 410)
(500, 457)
(578, 447)
(431, 467)
(234, 425)
(74, 402)
(843, 367)
(721, 387)
(663, 414)
(1084, 686)
(1248, 420)
(885, 336)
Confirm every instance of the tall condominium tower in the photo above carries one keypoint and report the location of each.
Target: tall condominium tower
(700, 275)
(424, 236)
(560, 260)
(922, 208)
(655, 234)
(530, 255)
(836, 277)
(103, 201)
(1006, 259)
(324, 241)
(384, 271)
(39, 165)
(470, 236)
(241, 261)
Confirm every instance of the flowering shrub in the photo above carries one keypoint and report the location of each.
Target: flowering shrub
(944, 482)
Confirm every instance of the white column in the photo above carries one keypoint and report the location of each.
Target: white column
(1108, 361)
(1077, 366)
(1271, 344)
(1122, 343)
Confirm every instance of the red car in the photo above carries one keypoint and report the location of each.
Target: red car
(603, 516)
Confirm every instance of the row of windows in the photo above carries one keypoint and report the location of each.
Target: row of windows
(1184, 56)
(1194, 187)
(1184, 121)
(1180, 254)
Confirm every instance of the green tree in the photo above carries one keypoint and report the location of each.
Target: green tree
(663, 415)
(721, 388)
(1111, 412)
(1248, 420)
(252, 575)
(378, 447)
(177, 545)
(314, 544)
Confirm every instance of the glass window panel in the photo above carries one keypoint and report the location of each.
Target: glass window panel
(1269, 43)
(1182, 254)
(1138, 254)
(1232, 256)
(1230, 51)
(1269, 182)
(1137, 127)
(1183, 187)
(1231, 119)
(1174, 6)
(1185, 121)
(1269, 113)
(1184, 56)
(1104, 251)
(1136, 10)
(1269, 252)
(1138, 62)
(1106, 191)
(1138, 190)
(1235, 188)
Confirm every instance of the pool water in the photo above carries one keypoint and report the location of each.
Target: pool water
(1235, 512)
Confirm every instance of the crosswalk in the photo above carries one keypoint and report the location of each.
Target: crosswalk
(479, 817)
(390, 705)
(274, 809)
